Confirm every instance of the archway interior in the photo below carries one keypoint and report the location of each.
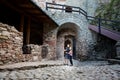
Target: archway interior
(71, 41)
(67, 42)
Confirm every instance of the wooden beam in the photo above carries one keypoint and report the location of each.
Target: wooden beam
(27, 6)
(33, 11)
(15, 5)
(22, 23)
(28, 31)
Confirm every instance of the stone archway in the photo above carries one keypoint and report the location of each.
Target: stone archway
(67, 34)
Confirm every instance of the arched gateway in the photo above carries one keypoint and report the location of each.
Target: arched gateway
(67, 34)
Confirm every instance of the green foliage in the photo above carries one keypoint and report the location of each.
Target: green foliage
(110, 11)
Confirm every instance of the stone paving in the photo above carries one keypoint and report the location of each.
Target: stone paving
(89, 70)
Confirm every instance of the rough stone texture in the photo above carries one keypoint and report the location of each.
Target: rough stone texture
(42, 3)
(10, 45)
(53, 43)
(83, 37)
(65, 33)
(117, 46)
(36, 51)
(91, 6)
(104, 48)
(11, 42)
(84, 71)
(82, 3)
(86, 40)
(88, 5)
(49, 40)
(103, 1)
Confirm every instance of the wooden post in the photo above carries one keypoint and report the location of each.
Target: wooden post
(99, 29)
(99, 25)
(22, 23)
(28, 31)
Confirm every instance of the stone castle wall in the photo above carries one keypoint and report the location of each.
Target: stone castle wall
(11, 42)
(49, 40)
(11, 45)
(85, 39)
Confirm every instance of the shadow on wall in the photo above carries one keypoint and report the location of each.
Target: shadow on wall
(44, 52)
(103, 49)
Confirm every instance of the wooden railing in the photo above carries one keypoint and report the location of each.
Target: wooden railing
(66, 8)
(105, 23)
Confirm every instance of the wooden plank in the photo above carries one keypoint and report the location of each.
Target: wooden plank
(27, 6)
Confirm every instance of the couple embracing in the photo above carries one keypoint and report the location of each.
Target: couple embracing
(68, 55)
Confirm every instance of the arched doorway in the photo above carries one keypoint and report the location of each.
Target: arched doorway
(70, 39)
(67, 34)
(66, 43)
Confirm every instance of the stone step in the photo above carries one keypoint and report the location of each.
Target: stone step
(30, 65)
(118, 57)
(114, 61)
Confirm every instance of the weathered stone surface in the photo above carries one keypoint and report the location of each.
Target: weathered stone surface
(42, 3)
(11, 42)
(79, 30)
(85, 39)
(36, 49)
(76, 24)
(118, 48)
(83, 71)
(11, 45)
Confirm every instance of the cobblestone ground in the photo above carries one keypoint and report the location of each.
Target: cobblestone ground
(81, 71)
